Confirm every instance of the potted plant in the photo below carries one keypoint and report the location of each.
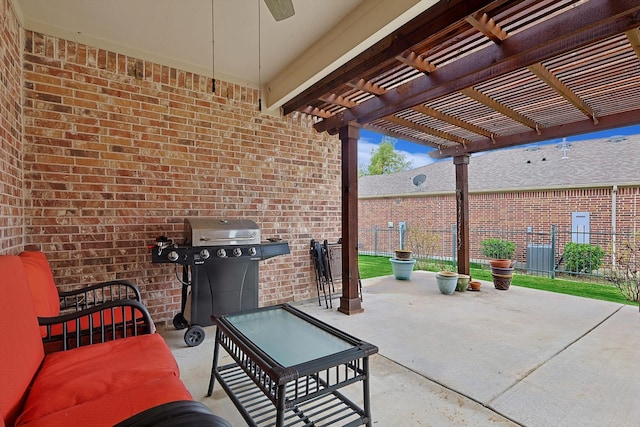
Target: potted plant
(402, 264)
(463, 282)
(499, 251)
(447, 281)
(403, 254)
(474, 285)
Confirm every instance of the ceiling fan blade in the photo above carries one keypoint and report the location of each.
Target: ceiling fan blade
(280, 9)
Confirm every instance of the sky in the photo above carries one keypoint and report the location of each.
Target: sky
(419, 154)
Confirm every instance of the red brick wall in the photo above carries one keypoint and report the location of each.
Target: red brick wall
(504, 211)
(11, 184)
(119, 151)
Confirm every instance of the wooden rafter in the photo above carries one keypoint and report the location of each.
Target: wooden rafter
(401, 136)
(318, 112)
(427, 129)
(556, 84)
(488, 27)
(578, 27)
(634, 39)
(439, 18)
(606, 122)
(414, 60)
(368, 87)
(500, 108)
(432, 112)
(338, 100)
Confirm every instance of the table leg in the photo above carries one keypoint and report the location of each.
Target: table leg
(214, 364)
(365, 391)
(280, 405)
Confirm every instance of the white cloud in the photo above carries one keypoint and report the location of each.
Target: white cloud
(417, 159)
(366, 147)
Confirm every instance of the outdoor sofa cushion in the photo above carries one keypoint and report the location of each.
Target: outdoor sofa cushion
(47, 299)
(97, 385)
(69, 379)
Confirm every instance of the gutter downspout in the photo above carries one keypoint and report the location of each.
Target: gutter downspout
(614, 194)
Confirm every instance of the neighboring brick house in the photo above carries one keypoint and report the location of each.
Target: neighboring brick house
(513, 189)
(100, 153)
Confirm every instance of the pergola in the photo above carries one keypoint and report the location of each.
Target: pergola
(470, 76)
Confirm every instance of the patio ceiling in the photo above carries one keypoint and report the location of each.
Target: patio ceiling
(471, 76)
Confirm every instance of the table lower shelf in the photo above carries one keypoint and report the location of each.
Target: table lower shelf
(331, 409)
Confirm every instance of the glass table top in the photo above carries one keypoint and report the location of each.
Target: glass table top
(287, 338)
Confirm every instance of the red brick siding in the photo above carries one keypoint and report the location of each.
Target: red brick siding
(119, 151)
(11, 196)
(504, 211)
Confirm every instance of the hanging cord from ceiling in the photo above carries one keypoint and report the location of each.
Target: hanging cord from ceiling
(213, 51)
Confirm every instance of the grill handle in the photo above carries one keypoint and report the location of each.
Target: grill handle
(208, 239)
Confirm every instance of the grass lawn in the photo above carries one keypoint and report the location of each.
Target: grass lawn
(375, 266)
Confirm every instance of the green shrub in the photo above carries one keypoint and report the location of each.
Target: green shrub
(582, 257)
(498, 249)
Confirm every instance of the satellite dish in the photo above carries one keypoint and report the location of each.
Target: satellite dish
(418, 180)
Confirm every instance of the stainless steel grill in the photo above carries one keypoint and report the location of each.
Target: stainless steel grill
(214, 231)
(219, 259)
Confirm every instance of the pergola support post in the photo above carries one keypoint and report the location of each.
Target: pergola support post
(350, 300)
(462, 213)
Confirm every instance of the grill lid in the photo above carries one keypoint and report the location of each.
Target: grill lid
(220, 232)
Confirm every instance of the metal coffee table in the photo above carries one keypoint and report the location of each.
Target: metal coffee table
(288, 368)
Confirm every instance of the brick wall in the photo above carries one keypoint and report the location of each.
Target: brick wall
(11, 184)
(119, 151)
(514, 211)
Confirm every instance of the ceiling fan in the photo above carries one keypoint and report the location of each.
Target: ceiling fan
(280, 9)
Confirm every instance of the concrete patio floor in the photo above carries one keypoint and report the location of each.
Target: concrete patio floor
(499, 358)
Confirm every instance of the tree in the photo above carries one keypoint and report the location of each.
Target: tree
(385, 159)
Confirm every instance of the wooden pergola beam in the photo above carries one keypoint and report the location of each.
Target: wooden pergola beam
(432, 112)
(487, 26)
(426, 129)
(437, 18)
(581, 26)
(634, 39)
(614, 121)
(491, 103)
(556, 84)
(368, 87)
(416, 61)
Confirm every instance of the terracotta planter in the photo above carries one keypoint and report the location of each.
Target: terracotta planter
(475, 285)
(403, 254)
(500, 263)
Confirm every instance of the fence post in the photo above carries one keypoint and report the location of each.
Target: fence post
(553, 250)
(375, 240)
(403, 227)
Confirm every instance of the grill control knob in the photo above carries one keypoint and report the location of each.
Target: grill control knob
(204, 254)
(173, 256)
(237, 251)
(252, 251)
(221, 253)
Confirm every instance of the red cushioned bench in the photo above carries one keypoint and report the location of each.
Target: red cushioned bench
(103, 316)
(127, 381)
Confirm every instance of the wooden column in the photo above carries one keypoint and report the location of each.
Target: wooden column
(350, 300)
(462, 212)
